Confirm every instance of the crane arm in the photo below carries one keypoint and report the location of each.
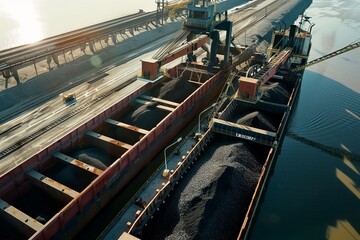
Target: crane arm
(330, 55)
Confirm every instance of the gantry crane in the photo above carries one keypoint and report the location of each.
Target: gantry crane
(205, 18)
(208, 17)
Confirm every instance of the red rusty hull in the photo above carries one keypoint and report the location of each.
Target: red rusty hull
(80, 210)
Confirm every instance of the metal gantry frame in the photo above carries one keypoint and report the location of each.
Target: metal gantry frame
(206, 17)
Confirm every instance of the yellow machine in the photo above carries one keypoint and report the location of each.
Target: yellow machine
(68, 97)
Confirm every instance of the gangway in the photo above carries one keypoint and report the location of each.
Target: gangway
(328, 56)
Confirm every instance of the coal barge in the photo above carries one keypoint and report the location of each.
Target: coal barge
(255, 115)
(76, 176)
(53, 194)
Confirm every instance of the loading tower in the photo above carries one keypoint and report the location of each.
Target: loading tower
(205, 19)
(208, 17)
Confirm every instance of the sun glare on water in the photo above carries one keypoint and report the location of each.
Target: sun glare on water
(28, 27)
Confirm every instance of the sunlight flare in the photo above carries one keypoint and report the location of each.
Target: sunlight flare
(29, 28)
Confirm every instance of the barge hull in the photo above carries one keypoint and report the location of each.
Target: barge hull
(151, 147)
(84, 205)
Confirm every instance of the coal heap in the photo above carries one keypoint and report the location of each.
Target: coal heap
(212, 199)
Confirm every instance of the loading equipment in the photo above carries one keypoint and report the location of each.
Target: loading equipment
(205, 19)
(328, 56)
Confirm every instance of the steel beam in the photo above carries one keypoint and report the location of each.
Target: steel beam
(127, 126)
(77, 163)
(23, 222)
(54, 188)
(158, 106)
(159, 100)
(110, 145)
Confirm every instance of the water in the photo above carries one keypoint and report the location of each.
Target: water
(312, 194)
(27, 21)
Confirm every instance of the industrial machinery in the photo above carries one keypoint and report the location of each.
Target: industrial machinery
(205, 18)
(68, 97)
(293, 42)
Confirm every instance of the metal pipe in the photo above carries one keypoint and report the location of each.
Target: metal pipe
(177, 141)
(213, 105)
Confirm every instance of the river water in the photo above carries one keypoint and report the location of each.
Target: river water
(313, 193)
